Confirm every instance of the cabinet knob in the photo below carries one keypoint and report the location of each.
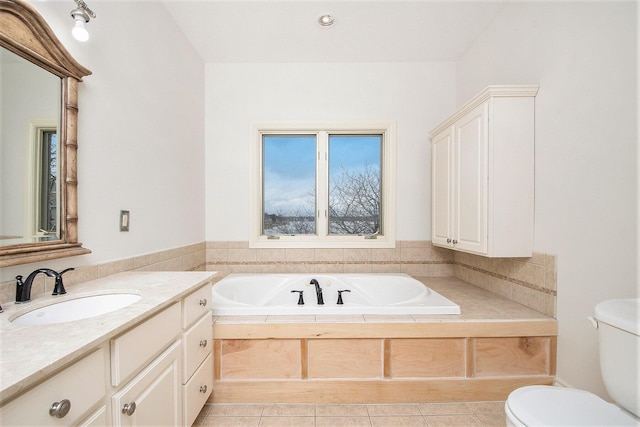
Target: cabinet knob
(455, 242)
(203, 302)
(203, 343)
(60, 409)
(129, 408)
(203, 389)
(448, 240)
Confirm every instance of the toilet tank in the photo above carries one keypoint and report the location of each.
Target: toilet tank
(619, 343)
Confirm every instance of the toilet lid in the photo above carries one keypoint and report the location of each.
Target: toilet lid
(560, 406)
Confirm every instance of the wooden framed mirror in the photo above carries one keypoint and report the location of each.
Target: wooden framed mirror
(25, 33)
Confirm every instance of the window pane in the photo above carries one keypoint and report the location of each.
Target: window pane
(48, 186)
(289, 184)
(354, 184)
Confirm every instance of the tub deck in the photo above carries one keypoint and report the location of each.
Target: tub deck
(493, 347)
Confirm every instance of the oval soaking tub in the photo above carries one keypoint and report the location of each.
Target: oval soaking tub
(271, 294)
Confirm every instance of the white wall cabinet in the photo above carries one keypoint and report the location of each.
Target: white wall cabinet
(483, 175)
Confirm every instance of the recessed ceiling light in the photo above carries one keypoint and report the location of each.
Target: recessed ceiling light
(326, 20)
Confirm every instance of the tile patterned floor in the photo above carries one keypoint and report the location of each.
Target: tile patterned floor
(308, 415)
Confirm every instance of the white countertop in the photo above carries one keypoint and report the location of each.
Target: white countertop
(29, 353)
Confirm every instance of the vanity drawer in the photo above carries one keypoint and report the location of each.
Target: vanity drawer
(198, 343)
(134, 349)
(195, 305)
(83, 384)
(197, 390)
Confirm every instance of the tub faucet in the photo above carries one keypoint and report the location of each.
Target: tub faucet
(318, 291)
(23, 289)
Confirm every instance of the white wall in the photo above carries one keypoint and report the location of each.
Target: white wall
(140, 132)
(584, 57)
(416, 95)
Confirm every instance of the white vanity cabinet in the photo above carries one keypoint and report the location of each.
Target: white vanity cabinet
(74, 396)
(197, 345)
(156, 372)
(482, 175)
(166, 365)
(152, 396)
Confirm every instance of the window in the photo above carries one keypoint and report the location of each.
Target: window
(47, 197)
(42, 201)
(323, 186)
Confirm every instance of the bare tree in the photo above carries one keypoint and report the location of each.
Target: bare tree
(354, 201)
(297, 221)
(354, 207)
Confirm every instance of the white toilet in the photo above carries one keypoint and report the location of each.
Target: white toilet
(618, 323)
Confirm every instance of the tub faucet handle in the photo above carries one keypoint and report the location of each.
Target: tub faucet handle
(300, 299)
(340, 295)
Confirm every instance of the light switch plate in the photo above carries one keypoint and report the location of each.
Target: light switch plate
(124, 220)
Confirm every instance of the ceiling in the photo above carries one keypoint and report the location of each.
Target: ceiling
(364, 31)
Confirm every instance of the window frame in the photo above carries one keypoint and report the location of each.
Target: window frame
(322, 130)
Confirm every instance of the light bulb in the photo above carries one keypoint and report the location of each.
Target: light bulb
(326, 20)
(79, 32)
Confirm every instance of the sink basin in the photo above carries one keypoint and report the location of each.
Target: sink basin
(76, 309)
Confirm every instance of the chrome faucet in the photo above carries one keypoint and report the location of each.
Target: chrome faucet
(23, 289)
(318, 291)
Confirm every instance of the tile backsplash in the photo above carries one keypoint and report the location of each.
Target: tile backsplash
(417, 258)
(185, 258)
(528, 281)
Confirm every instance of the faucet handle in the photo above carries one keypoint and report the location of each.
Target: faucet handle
(340, 295)
(300, 298)
(58, 287)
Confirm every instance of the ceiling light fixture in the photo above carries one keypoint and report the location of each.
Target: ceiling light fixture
(81, 16)
(326, 20)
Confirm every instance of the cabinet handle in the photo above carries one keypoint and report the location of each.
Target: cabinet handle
(203, 343)
(448, 240)
(60, 409)
(203, 389)
(455, 242)
(129, 408)
(203, 302)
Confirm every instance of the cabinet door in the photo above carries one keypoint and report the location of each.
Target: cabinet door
(442, 188)
(471, 181)
(155, 392)
(77, 388)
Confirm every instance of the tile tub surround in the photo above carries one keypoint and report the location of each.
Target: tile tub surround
(29, 353)
(184, 258)
(493, 347)
(528, 281)
(414, 414)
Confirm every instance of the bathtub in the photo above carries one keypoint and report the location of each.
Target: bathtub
(271, 294)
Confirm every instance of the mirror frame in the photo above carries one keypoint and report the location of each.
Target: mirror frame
(24, 32)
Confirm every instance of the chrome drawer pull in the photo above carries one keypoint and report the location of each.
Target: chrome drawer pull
(203, 302)
(203, 343)
(60, 409)
(203, 389)
(129, 408)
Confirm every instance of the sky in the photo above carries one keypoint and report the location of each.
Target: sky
(290, 169)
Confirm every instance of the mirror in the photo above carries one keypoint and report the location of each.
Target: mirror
(38, 140)
(29, 126)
